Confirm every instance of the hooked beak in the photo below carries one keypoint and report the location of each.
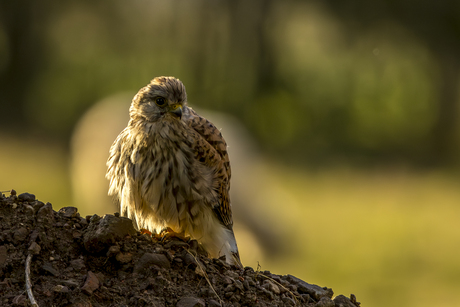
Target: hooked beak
(176, 110)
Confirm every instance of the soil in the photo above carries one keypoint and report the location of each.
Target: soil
(104, 261)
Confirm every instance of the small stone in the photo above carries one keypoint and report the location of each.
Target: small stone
(113, 250)
(353, 299)
(239, 285)
(83, 221)
(190, 302)
(232, 274)
(29, 209)
(107, 232)
(124, 257)
(68, 212)
(343, 301)
(46, 214)
(60, 288)
(94, 218)
(149, 259)
(100, 277)
(78, 264)
(270, 286)
(26, 197)
(13, 192)
(91, 283)
(14, 205)
(313, 290)
(20, 234)
(325, 302)
(37, 205)
(34, 248)
(48, 267)
(70, 283)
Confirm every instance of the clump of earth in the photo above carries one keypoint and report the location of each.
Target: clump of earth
(103, 261)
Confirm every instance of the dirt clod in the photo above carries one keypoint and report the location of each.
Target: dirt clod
(103, 261)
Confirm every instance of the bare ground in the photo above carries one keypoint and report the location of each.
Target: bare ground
(104, 261)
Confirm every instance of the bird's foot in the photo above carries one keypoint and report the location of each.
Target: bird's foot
(168, 233)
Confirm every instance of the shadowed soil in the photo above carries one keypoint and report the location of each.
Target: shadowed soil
(104, 261)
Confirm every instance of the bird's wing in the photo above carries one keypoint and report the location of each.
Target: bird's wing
(211, 149)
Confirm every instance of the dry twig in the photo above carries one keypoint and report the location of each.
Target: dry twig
(28, 283)
(203, 273)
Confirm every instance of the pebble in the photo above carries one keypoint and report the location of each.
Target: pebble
(113, 250)
(313, 290)
(239, 285)
(68, 212)
(34, 248)
(107, 232)
(46, 214)
(26, 197)
(37, 205)
(29, 209)
(91, 283)
(70, 283)
(20, 234)
(124, 257)
(78, 264)
(270, 286)
(343, 301)
(60, 288)
(149, 259)
(50, 269)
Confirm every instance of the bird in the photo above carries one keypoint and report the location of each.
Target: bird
(170, 169)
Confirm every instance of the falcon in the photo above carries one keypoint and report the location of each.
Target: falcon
(169, 168)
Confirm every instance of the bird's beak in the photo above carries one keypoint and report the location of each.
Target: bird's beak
(176, 110)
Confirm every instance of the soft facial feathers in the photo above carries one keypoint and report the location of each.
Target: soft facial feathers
(169, 88)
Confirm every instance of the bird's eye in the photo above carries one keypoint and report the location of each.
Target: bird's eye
(160, 101)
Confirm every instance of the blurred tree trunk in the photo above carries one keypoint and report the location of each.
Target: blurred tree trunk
(445, 128)
(21, 21)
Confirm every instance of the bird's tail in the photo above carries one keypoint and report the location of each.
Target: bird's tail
(221, 242)
(234, 255)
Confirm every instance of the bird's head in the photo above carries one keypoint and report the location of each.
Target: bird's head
(162, 97)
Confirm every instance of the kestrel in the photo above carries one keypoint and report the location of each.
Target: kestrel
(170, 168)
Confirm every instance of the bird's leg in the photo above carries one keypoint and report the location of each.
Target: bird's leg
(169, 233)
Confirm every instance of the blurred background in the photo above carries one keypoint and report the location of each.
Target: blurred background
(342, 120)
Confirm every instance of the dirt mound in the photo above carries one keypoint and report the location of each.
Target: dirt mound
(104, 261)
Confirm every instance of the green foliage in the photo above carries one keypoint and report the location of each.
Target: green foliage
(303, 84)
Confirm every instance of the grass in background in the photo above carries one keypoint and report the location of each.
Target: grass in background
(37, 167)
(390, 237)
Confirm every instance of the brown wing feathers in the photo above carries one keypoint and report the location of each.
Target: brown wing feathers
(214, 153)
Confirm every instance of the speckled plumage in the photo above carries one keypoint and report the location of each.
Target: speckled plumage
(170, 168)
